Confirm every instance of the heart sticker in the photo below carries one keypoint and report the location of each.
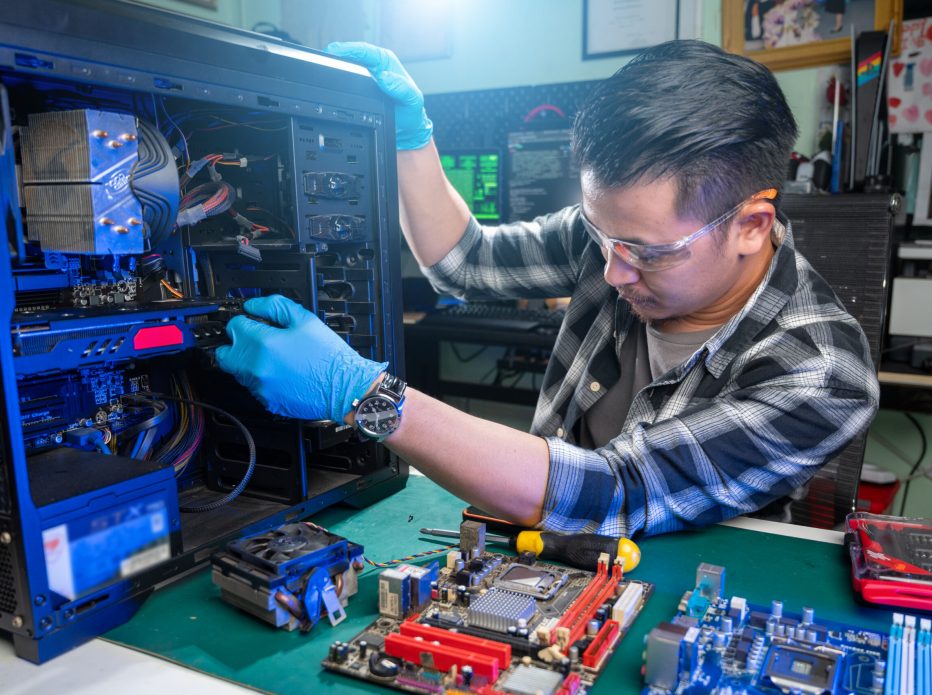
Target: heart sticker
(898, 68)
(925, 67)
(894, 102)
(911, 114)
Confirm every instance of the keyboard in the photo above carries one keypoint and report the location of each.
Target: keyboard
(496, 318)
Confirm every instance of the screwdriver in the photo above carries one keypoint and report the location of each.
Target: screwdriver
(580, 550)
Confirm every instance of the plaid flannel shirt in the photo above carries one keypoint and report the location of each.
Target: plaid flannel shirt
(785, 384)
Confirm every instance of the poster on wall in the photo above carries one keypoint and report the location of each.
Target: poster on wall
(618, 27)
(909, 95)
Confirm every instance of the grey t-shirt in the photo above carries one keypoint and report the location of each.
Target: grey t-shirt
(645, 355)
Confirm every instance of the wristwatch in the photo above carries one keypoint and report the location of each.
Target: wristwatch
(378, 415)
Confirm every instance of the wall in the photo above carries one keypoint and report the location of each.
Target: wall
(522, 42)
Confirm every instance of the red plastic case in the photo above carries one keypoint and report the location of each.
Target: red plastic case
(891, 559)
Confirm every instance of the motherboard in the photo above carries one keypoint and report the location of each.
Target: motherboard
(489, 623)
(725, 645)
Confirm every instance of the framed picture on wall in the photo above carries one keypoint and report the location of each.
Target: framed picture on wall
(784, 34)
(618, 27)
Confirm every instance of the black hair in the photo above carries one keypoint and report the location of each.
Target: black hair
(716, 123)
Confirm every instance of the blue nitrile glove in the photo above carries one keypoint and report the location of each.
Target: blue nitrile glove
(412, 126)
(302, 369)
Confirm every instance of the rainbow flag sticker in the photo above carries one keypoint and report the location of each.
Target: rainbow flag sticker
(869, 68)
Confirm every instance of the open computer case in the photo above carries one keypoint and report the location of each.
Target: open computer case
(157, 171)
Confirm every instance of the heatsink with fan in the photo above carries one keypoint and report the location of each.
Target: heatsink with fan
(289, 576)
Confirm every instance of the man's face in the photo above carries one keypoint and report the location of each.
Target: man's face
(645, 214)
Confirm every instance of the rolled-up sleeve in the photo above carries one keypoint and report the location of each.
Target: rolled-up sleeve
(521, 259)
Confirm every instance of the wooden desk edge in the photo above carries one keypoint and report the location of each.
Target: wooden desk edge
(904, 379)
(781, 529)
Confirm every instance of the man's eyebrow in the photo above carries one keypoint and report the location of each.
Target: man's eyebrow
(631, 240)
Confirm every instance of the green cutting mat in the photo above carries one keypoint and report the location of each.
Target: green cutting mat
(188, 623)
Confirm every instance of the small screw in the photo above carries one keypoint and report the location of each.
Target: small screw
(39, 600)
(17, 621)
(45, 623)
(6, 538)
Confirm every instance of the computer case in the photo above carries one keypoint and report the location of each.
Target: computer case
(157, 171)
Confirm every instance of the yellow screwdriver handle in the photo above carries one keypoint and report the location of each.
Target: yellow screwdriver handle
(578, 549)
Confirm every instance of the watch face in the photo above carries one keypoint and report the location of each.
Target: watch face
(377, 416)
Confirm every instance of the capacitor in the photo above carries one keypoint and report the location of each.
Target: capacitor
(808, 616)
(574, 654)
(523, 632)
(335, 651)
(791, 632)
(727, 625)
(466, 671)
(770, 627)
(781, 630)
(812, 636)
(878, 675)
(592, 628)
(776, 609)
(565, 665)
(719, 640)
(363, 646)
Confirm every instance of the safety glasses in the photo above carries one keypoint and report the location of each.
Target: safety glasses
(654, 257)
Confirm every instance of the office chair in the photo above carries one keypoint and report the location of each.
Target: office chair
(847, 239)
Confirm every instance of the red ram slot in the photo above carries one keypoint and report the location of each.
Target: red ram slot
(440, 657)
(571, 685)
(587, 603)
(497, 650)
(601, 644)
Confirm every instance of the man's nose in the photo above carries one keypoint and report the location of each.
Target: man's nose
(618, 273)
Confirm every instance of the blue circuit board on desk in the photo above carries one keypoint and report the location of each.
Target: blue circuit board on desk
(724, 645)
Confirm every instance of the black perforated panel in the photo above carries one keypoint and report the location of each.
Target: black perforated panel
(847, 239)
(484, 118)
(7, 585)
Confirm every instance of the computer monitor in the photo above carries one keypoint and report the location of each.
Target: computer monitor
(476, 175)
(542, 175)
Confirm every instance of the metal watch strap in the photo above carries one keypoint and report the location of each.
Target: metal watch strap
(392, 386)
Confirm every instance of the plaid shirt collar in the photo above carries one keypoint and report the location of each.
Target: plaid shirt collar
(563, 401)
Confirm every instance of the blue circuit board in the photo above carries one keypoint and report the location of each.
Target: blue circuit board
(724, 645)
(52, 406)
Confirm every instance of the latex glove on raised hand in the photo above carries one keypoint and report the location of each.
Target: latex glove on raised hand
(413, 128)
(298, 367)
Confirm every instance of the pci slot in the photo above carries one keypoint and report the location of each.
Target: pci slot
(439, 656)
(497, 650)
(601, 645)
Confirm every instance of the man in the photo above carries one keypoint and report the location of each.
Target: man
(703, 369)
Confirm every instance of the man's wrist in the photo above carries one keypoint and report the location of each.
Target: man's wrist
(350, 418)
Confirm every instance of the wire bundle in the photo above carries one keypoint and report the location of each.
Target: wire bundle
(189, 435)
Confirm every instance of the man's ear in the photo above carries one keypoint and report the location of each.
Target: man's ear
(754, 224)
